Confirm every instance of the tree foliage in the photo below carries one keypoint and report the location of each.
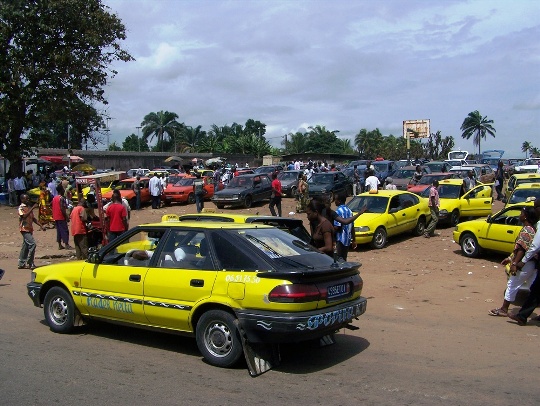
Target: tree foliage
(55, 57)
(438, 147)
(134, 143)
(477, 127)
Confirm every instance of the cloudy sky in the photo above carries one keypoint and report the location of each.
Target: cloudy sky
(346, 65)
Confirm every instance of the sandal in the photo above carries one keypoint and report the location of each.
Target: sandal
(498, 312)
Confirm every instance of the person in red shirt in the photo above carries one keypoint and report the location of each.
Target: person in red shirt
(116, 217)
(78, 219)
(60, 217)
(275, 197)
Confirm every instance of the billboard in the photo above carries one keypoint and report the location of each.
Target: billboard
(416, 128)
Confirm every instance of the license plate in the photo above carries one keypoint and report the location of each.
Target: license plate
(343, 289)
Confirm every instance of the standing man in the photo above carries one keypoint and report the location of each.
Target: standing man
(345, 236)
(26, 221)
(20, 186)
(275, 197)
(372, 182)
(116, 216)
(499, 180)
(60, 217)
(136, 186)
(433, 208)
(533, 300)
(469, 181)
(155, 190)
(78, 219)
(199, 191)
(356, 184)
(11, 191)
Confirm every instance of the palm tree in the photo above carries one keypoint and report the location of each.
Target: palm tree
(191, 138)
(158, 124)
(477, 126)
(526, 147)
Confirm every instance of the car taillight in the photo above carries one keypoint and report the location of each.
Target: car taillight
(294, 294)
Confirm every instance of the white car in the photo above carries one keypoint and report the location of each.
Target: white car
(530, 165)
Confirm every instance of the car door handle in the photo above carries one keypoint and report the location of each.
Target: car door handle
(509, 232)
(134, 278)
(197, 283)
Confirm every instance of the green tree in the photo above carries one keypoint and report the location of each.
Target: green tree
(368, 143)
(55, 57)
(296, 143)
(134, 143)
(213, 142)
(477, 127)
(160, 125)
(322, 140)
(438, 147)
(114, 147)
(191, 138)
(526, 147)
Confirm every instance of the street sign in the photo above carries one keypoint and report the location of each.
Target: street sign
(416, 129)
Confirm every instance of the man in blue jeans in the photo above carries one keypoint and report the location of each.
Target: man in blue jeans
(198, 189)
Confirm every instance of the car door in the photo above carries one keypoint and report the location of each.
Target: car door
(113, 288)
(264, 190)
(477, 202)
(500, 232)
(182, 276)
(145, 191)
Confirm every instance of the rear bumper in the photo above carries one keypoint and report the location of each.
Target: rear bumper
(273, 327)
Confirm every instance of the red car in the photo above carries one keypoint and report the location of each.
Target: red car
(183, 192)
(426, 181)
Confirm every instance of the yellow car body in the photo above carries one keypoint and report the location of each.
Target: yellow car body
(497, 232)
(519, 179)
(524, 192)
(389, 213)
(227, 284)
(456, 204)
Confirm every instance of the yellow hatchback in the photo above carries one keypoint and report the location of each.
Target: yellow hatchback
(519, 179)
(239, 289)
(455, 203)
(524, 192)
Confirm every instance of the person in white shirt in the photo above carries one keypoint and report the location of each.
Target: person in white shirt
(389, 184)
(372, 182)
(297, 165)
(155, 190)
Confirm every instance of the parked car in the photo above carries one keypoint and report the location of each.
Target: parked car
(530, 165)
(524, 192)
(244, 190)
(402, 177)
(486, 174)
(269, 169)
(328, 184)
(124, 186)
(389, 213)
(455, 203)
(438, 166)
(427, 180)
(349, 172)
(183, 191)
(520, 179)
(497, 232)
(292, 225)
(289, 182)
(384, 169)
(233, 287)
(132, 173)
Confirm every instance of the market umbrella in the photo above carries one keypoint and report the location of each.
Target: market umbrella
(213, 161)
(173, 158)
(195, 160)
(84, 168)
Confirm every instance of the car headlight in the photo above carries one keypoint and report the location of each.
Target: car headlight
(361, 229)
(235, 196)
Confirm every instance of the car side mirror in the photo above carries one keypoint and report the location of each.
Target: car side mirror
(488, 218)
(93, 255)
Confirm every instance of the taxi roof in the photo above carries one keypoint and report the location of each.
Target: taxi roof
(458, 182)
(526, 175)
(386, 193)
(210, 225)
(534, 185)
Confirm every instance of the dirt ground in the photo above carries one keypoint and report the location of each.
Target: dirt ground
(427, 312)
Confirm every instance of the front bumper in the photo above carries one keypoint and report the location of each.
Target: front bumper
(34, 290)
(273, 327)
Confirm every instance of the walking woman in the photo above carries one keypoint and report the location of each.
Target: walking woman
(517, 277)
(303, 194)
(45, 210)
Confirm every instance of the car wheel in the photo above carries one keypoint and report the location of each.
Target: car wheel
(454, 218)
(218, 338)
(420, 226)
(379, 238)
(191, 198)
(248, 201)
(469, 245)
(293, 191)
(220, 206)
(59, 310)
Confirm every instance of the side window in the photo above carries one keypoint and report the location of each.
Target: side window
(137, 250)
(231, 257)
(185, 249)
(395, 204)
(407, 200)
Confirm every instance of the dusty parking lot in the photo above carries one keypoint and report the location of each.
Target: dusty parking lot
(426, 337)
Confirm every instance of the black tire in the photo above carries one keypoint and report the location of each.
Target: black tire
(420, 227)
(454, 218)
(293, 191)
(191, 198)
(380, 238)
(248, 201)
(218, 338)
(469, 245)
(59, 310)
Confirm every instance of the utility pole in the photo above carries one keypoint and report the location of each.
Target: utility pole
(138, 139)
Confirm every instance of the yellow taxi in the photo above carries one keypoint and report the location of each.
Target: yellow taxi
(524, 192)
(519, 179)
(495, 233)
(238, 289)
(388, 213)
(455, 203)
